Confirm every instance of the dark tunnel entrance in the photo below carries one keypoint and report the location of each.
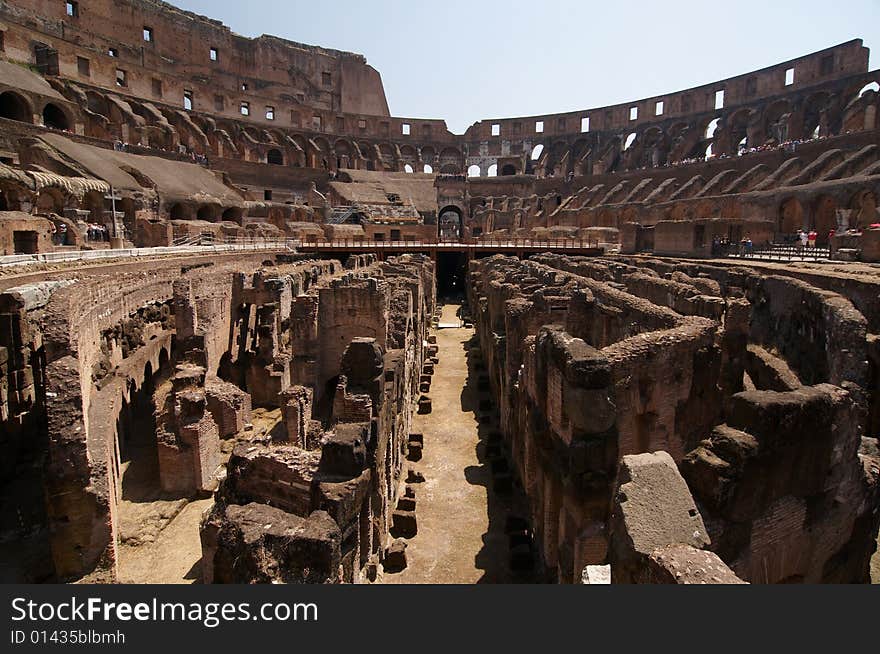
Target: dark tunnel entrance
(451, 272)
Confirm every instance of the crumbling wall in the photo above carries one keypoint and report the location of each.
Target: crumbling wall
(595, 360)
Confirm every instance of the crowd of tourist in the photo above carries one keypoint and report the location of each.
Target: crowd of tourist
(788, 146)
(99, 233)
(183, 152)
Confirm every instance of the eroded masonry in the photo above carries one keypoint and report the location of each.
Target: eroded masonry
(256, 329)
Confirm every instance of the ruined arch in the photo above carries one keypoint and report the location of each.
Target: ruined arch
(209, 212)
(55, 117)
(451, 160)
(15, 107)
(275, 157)
(450, 222)
(180, 211)
(50, 200)
(343, 152)
(233, 215)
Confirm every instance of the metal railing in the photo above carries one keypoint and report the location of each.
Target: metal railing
(232, 245)
(489, 244)
(781, 252)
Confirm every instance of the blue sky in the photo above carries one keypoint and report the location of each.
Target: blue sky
(469, 60)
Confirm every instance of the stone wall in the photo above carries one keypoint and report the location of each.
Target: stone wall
(595, 360)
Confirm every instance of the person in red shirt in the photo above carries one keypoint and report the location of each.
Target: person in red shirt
(811, 238)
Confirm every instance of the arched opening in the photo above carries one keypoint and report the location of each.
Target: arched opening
(408, 169)
(474, 171)
(709, 152)
(15, 107)
(537, 151)
(507, 170)
(275, 157)
(449, 224)
(493, 170)
(98, 208)
(177, 212)
(791, 217)
(209, 212)
(629, 141)
(428, 170)
(870, 86)
(10, 199)
(450, 160)
(50, 200)
(232, 214)
(449, 169)
(743, 145)
(55, 118)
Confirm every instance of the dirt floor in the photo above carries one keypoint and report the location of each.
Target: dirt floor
(461, 520)
(159, 536)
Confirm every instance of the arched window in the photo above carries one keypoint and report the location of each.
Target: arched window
(428, 169)
(629, 141)
(493, 170)
(537, 151)
(709, 154)
(407, 168)
(474, 171)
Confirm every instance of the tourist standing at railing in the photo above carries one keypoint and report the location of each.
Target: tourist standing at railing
(811, 238)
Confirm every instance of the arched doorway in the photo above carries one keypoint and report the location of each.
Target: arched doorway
(55, 118)
(449, 224)
(15, 107)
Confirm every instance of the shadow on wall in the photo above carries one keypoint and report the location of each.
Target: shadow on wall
(508, 554)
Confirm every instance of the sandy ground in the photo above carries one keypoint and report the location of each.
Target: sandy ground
(461, 535)
(173, 558)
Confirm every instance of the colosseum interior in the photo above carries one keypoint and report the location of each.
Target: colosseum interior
(255, 329)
